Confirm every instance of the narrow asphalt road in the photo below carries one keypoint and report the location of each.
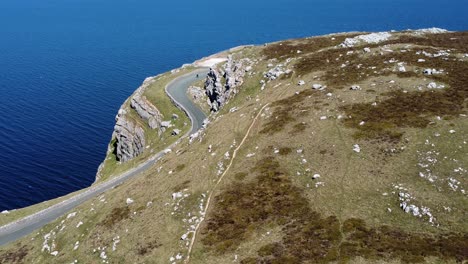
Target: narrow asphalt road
(176, 89)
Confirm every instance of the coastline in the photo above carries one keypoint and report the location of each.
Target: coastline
(25, 225)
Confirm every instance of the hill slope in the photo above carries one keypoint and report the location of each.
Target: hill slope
(346, 147)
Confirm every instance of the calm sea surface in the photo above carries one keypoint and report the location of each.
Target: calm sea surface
(66, 66)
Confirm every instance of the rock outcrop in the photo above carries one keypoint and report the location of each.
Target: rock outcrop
(129, 138)
(145, 109)
(214, 90)
(217, 92)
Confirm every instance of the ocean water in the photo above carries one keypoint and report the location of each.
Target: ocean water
(66, 66)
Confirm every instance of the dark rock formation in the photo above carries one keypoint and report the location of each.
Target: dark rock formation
(219, 93)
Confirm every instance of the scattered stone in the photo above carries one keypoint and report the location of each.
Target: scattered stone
(165, 124)
(129, 201)
(367, 50)
(175, 132)
(5, 212)
(356, 148)
(79, 224)
(316, 176)
(301, 82)
(77, 245)
(433, 85)
(355, 87)
(70, 215)
(175, 116)
(317, 86)
(167, 151)
(54, 253)
(177, 195)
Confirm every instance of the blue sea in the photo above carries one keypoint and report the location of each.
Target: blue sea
(66, 66)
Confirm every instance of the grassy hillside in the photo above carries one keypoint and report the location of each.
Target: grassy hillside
(293, 174)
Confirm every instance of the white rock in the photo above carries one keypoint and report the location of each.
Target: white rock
(432, 85)
(355, 87)
(165, 123)
(129, 201)
(79, 224)
(316, 176)
(177, 195)
(432, 30)
(301, 82)
(5, 212)
(54, 253)
(402, 68)
(367, 50)
(77, 244)
(317, 86)
(70, 215)
(452, 131)
(323, 118)
(356, 148)
(166, 151)
(421, 60)
(369, 38)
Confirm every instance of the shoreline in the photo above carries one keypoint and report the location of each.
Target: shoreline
(27, 224)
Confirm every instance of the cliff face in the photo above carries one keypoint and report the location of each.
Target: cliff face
(130, 138)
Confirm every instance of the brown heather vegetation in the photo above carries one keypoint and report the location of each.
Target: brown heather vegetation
(147, 248)
(14, 256)
(413, 109)
(398, 109)
(309, 237)
(284, 112)
(116, 215)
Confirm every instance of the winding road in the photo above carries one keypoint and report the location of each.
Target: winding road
(176, 89)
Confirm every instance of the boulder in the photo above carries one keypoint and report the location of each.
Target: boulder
(317, 86)
(175, 132)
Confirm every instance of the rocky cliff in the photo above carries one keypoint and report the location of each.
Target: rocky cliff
(145, 109)
(129, 138)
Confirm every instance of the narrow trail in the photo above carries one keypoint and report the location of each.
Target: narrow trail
(208, 201)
